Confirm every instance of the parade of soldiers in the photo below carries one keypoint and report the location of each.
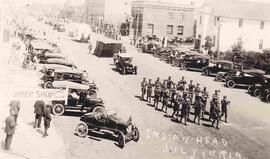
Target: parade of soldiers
(185, 101)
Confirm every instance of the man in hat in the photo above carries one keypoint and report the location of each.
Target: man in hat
(15, 107)
(198, 107)
(166, 95)
(185, 110)
(216, 95)
(205, 95)
(191, 88)
(9, 129)
(169, 82)
(39, 109)
(157, 82)
(197, 91)
(149, 90)
(47, 119)
(163, 88)
(183, 83)
(214, 112)
(224, 107)
(157, 92)
(143, 87)
(176, 106)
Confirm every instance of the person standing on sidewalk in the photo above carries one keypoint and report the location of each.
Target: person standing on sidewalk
(15, 106)
(9, 129)
(47, 119)
(39, 110)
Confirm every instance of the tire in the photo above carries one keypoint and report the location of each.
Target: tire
(98, 109)
(82, 129)
(135, 134)
(205, 72)
(267, 98)
(250, 88)
(230, 84)
(58, 109)
(175, 63)
(219, 78)
(183, 67)
(121, 140)
(48, 85)
(257, 92)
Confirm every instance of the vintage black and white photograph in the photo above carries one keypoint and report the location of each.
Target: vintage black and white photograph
(135, 79)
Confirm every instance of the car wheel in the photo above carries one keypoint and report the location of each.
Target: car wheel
(205, 72)
(267, 98)
(135, 134)
(121, 140)
(82, 129)
(230, 84)
(98, 109)
(93, 93)
(250, 88)
(257, 92)
(175, 63)
(219, 78)
(48, 85)
(58, 109)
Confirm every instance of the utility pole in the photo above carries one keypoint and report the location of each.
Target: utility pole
(218, 41)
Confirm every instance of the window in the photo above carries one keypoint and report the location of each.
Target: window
(180, 30)
(182, 16)
(240, 25)
(261, 44)
(150, 29)
(200, 19)
(169, 29)
(262, 25)
(171, 15)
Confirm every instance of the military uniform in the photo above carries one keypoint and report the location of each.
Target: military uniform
(198, 109)
(170, 83)
(163, 88)
(9, 130)
(205, 95)
(149, 91)
(157, 92)
(143, 88)
(176, 107)
(191, 88)
(166, 96)
(185, 110)
(183, 85)
(214, 112)
(197, 91)
(224, 107)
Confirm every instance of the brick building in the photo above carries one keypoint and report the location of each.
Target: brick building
(162, 19)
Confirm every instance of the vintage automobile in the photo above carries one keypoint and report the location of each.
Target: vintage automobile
(246, 77)
(236, 69)
(124, 64)
(41, 45)
(217, 66)
(259, 89)
(150, 47)
(107, 122)
(82, 101)
(195, 63)
(75, 76)
(185, 56)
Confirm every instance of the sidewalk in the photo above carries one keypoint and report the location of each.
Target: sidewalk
(27, 142)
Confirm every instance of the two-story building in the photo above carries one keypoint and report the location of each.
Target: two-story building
(230, 22)
(162, 19)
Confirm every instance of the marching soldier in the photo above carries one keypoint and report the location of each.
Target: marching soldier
(191, 88)
(185, 110)
(157, 82)
(183, 83)
(198, 108)
(166, 95)
(205, 95)
(157, 92)
(163, 88)
(169, 82)
(143, 87)
(224, 107)
(173, 95)
(149, 90)
(197, 91)
(216, 94)
(176, 107)
(214, 112)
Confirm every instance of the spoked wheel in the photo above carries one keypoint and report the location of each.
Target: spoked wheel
(48, 84)
(82, 129)
(58, 109)
(175, 63)
(93, 93)
(183, 67)
(219, 78)
(121, 140)
(230, 84)
(257, 92)
(99, 109)
(135, 134)
(205, 72)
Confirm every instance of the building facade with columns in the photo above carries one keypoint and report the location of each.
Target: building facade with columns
(234, 22)
(162, 19)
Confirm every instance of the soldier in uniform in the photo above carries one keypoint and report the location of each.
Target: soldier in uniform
(176, 106)
(185, 110)
(9, 129)
(205, 95)
(166, 95)
(183, 83)
(216, 94)
(149, 90)
(224, 107)
(214, 111)
(157, 92)
(198, 108)
(163, 88)
(197, 91)
(191, 88)
(143, 87)
(170, 82)
(157, 82)
(173, 95)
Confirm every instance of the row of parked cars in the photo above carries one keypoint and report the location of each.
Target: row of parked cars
(58, 72)
(233, 74)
